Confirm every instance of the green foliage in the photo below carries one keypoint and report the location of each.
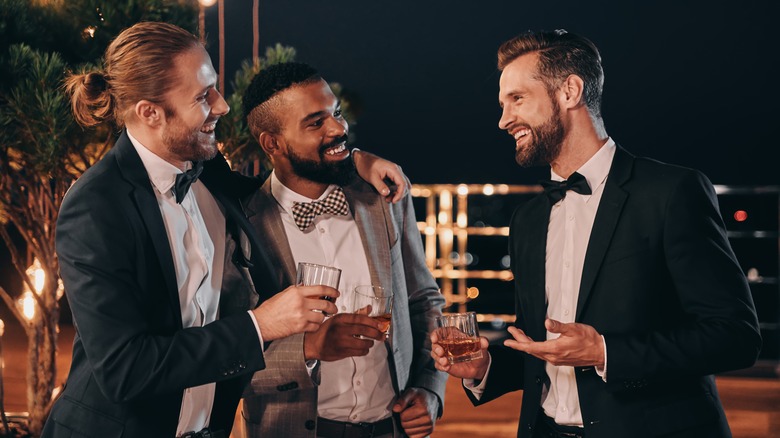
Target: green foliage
(81, 30)
(39, 43)
(232, 131)
(35, 120)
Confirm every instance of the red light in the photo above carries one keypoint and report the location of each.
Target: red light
(740, 215)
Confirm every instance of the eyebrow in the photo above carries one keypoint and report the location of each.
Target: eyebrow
(313, 116)
(318, 114)
(203, 90)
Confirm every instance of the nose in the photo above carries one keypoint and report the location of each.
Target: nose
(337, 127)
(219, 107)
(506, 119)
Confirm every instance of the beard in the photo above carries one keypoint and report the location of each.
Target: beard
(188, 144)
(546, 143)
(322, 171)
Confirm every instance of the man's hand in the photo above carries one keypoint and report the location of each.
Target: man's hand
(412, 405)
(474, 369)
(377, 171)
(294, 310)
(577, 345)
(337, 337)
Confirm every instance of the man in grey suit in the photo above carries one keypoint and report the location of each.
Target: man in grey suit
(345, 379)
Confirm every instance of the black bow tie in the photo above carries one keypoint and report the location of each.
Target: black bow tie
(185, 180)
(556, 190)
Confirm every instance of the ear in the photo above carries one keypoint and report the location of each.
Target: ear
(571, 92)
(149, 113)
(268, 143)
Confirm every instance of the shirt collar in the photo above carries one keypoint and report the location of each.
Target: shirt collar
(162, 174)
(596, 169)
(286, 197)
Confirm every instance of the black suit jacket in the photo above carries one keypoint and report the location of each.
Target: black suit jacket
(663, 286)
(132, 359)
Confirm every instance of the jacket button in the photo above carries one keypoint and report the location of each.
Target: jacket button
(309, 424)
(538, 380)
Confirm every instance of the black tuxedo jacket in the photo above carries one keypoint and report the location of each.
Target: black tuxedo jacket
(132, 359)
(663, 286)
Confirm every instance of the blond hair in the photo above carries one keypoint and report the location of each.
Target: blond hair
(138, 65)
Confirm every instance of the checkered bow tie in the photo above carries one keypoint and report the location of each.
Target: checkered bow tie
(305, 212)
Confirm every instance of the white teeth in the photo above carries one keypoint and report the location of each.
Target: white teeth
(336, 150)
(208, 129)
(521, 133)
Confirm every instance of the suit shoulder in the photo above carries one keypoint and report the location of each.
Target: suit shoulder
(649, 166)
(100, 181)
(656, 183)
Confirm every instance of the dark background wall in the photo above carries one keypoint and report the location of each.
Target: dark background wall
(686, 82)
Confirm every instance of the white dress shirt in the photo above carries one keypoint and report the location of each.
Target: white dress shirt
(354, 389)
(568, 234)
(196, 232)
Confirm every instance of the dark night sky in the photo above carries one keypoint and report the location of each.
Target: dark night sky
(686, 83)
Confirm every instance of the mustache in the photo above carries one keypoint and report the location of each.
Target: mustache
(336, 141)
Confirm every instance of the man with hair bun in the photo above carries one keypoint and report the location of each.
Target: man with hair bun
(162, 271)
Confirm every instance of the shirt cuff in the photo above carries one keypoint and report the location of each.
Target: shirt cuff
(603, 372)
(478, 388)
(257, 328)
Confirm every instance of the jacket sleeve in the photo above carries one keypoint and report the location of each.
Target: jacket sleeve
(716, 328)
(127, 318)
(425, 301)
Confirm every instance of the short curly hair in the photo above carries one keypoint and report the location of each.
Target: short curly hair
(258, 103)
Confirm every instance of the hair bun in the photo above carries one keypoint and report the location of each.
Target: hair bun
(95, 82)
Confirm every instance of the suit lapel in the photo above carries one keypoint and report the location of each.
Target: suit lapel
(133, 170)
(377, 233)
(610, 207)
(263, 214)
(529, 254)
(228, 187)
(376, 230)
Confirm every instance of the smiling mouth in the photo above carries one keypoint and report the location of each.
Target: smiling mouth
(520, 135)
(209, 127)
(335, 150)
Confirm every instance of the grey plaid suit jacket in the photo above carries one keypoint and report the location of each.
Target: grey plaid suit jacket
(282, 399)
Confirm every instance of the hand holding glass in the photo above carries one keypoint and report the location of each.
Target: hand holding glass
(375, 302)
(458, 335)
(312, 274)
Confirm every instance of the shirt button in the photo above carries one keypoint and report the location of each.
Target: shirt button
(571, 218)
(565, 312)
(322, 230)
(357, 383)
(354, 417)
(566, 264)
(563, 409)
